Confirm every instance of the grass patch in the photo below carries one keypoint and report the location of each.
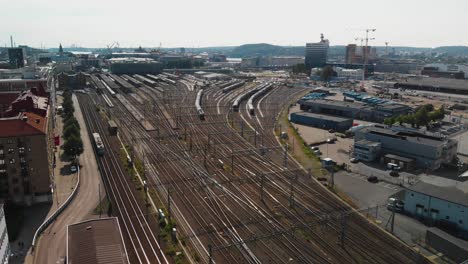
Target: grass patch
(105, 204)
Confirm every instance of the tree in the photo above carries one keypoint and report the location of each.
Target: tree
(327, 73)
(389, 121)
(299, 68)
(72, 130)
(73, 146)
(422, 117)
(71, 121)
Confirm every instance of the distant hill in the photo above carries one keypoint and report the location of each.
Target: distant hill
(263, 49)
(453, 50)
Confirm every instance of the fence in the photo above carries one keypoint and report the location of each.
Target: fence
(52, 218)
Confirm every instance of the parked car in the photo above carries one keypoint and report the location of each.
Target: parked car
(314, 148)
(394, 173)
(395, 204)
(331, 131)
(372, 179)
(73, 169)
(318, 152)
(331, 140)
(354, 160)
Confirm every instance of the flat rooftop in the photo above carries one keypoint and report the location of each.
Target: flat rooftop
(447, 83)
(447, 193)
(405, 135)
(97, 241)
(355, 104)
(322, 116)
(366, 142)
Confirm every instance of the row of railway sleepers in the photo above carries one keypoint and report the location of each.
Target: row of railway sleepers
(379, 236)
(174, 169)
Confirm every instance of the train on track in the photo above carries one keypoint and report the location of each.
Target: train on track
(107, 100)
(201, 113)
(252, 98)
(242, 97)
(98, 144)
(233, 86)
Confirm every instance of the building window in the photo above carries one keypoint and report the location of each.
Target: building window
(9, 141)
(11, 151)
(447, 217)
(412, 194)
(12, 161)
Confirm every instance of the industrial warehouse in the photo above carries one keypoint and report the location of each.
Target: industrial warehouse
(321, 121)
(409, 149)
(354, 110)
(444, 85)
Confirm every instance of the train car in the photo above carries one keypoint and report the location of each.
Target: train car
(262, 91)
(242, 97)
(112, 126)
(233, 86)
(201, 113)
(98, 144)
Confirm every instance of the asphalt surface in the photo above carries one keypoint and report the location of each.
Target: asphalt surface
(51, 247)
(368, 195)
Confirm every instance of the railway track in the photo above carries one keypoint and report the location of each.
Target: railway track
(219, 210)
(141, 240)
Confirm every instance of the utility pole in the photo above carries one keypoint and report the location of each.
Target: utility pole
(393, 217)
(232, 161)
(286, 156)
(100, 202)
(145, 187)
(262, 185)
(242, 129)
(169, 203)
(291, 195)
(343, 229)
(210, 254)
(255, 138)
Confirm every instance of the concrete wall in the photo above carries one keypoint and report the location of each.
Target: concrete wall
(451, 247)
(455, 212)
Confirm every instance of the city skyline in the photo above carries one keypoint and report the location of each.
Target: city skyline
(206, 23)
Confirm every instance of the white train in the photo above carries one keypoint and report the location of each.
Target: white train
(98, 144)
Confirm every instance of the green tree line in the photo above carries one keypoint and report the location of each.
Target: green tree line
(73, 145)
(422, 116)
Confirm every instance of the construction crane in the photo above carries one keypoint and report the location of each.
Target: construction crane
(113, 45)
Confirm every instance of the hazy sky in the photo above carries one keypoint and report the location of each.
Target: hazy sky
(200, 23)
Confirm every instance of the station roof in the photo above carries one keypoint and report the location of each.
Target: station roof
(322, 116)
(356, 105)
(408, 135)
(447, 193)
(97, 241)
(446, 83)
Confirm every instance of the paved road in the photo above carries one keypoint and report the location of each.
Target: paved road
(51, 246)
(366, 195)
